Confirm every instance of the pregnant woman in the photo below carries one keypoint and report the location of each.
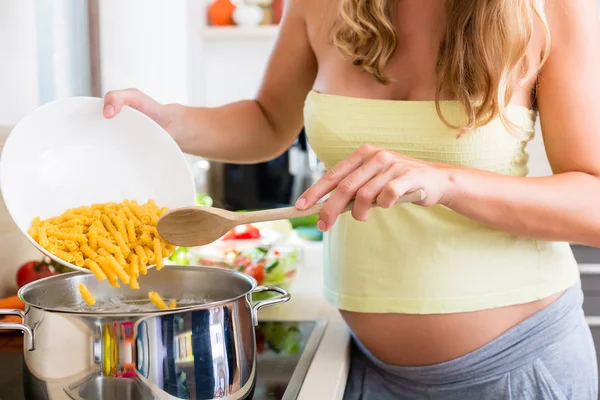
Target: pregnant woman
(473, 293)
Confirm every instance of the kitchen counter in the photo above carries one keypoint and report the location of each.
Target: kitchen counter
(326, 377)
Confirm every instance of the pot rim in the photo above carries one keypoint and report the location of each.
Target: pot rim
(251, 280)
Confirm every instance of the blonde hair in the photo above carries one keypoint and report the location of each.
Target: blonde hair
(482, 59)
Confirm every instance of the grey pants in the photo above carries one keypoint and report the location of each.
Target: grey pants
(548, 356)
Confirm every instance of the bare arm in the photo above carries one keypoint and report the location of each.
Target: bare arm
(562, 207)
(250, 130)
(565, 206)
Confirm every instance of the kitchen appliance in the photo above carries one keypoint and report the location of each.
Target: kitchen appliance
(285, 351)
(124, 347)
(270, 184)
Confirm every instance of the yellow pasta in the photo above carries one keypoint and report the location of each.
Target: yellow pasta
(158, 254)
(157, 300)
(89, 252)
(78, 237)
(118, 270)
(95, 268)
(68, 257)
(131, 231)
(71, 245)
(93, 235)
(110, 274)
(134, 269)
(108, 225)
(133, 283)
(107, 245)
(149, 254)
(150, 229)
(121, 243)
(146, 239)
(79, 261)
(115, 241)
(120, 258)
(87, 296)
(131, 215)
(139, 250)
(42, 237)
(120, 224)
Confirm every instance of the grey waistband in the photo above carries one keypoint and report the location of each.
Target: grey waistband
(518, 346)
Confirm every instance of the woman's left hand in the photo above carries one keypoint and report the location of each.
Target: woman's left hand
(373, 175)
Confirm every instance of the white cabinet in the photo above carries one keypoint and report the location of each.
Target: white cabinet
(233, 62)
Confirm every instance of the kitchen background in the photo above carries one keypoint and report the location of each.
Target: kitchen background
(51, 49)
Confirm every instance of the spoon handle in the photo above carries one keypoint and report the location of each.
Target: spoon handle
(293, 212)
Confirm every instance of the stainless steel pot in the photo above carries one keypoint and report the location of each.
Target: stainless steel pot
(202, 350)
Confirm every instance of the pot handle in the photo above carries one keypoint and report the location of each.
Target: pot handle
(285, 297)
(9, 326)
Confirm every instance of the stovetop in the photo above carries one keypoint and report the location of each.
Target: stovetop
(284, 353)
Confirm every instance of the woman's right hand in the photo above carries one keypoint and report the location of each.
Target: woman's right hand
(162, 114)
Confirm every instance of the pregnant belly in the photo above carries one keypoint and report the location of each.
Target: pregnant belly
(416, 340)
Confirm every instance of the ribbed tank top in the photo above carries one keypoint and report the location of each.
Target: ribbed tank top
(417, 260)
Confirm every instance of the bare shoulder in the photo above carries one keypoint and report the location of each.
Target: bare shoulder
(571, 21)
(320, 15)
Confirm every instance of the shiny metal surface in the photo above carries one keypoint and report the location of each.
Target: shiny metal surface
(29, 341)
(201, 351)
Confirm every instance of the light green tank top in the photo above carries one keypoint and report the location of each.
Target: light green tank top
(417, 260)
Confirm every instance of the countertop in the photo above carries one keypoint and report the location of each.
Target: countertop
(326, 378)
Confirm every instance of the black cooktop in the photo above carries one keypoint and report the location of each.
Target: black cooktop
(284, 353)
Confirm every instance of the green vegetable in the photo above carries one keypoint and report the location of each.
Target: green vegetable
(272, 265)
(181, 256)
(204, 200)
(281, 336)
(305, 221)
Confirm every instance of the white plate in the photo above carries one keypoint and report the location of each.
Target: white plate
(66, 154)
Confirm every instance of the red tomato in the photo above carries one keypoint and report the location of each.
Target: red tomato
(242, 232)
(32, 271)
(257, 271)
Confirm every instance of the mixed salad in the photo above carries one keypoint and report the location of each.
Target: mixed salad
(250, 249)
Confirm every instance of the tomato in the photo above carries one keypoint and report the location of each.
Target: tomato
(242, 232)
(257, 271)
(32, 271)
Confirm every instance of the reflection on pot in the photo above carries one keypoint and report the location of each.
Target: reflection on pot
(203, 351)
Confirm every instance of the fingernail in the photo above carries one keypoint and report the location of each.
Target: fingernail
(300, 203)
(109, 110)
(322, 226)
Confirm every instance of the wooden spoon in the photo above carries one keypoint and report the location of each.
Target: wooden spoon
(200, 225)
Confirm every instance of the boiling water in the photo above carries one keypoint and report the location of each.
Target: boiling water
(123, 305)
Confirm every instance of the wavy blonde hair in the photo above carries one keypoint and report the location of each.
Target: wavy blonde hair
(482, 59)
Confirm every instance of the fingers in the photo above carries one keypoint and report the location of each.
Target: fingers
(345, 192)
(396, 188)
(368, 194)
(115, 100)
(333, 177)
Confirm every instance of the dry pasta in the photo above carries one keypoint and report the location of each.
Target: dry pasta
(115, 241)
(157, 300)
(87, 296)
